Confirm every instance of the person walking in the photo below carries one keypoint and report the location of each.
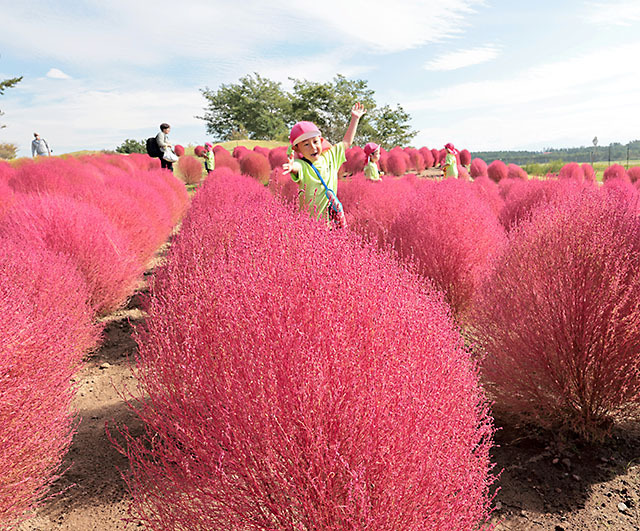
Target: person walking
(162, 138)
(39, 147)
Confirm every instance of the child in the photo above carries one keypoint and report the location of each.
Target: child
(372, 151)
(209, 158)
(307, 141)
(450, 162)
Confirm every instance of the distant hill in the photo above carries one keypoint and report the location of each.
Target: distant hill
(614, 152)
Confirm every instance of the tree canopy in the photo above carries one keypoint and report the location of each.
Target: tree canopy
(260, 109)
(8, 83)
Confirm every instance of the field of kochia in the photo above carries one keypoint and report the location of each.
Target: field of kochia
(297, 377)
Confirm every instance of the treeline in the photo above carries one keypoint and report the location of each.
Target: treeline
(614, 151)
(258, 108)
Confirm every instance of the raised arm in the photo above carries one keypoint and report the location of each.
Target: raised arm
(356, 113)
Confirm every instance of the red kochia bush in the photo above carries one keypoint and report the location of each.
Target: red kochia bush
(45, 327)
(589, 172)
(396, 164)
(522, 197)
(497, 171)
(573, 171)
(262, 150)
(191, 169)
(516, 172)
(277, 157)
(428, 157)
(86, 236)
(453, 236)
(356, 160)
(634, 173)
(465, 157)
(615, 171)
(240, 151)
(179, 150)
(560, 318)
(282, 395)
(255, 165)
(224, 160)
(478, 168)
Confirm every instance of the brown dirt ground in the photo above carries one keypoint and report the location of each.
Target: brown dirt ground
(542, 486)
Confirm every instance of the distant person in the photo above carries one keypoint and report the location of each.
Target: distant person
(450, 161)
(162, 138)
(209, 158)
(39, 147)
(372, 151)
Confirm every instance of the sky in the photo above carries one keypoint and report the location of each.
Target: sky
(483, 74)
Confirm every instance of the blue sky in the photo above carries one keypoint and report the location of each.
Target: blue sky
(479, 73)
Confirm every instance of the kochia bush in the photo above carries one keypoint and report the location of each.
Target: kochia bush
(453, 236)
(255, 165)
(573, 171)
(278, 157)
(497, 171)
(282, 395)
(465, 157)
(396, 164)
(516, 172)
(429, 161)
(589, 172)
(45, 327)
(478, 168)
(190, 168)
(615, 171)
(560, 318)
(634, 173)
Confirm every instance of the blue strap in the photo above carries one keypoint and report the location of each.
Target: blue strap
(326, 188)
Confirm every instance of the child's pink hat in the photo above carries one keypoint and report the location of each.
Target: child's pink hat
(450, 147)
(371, 147)
(303, 131)
(208, 145)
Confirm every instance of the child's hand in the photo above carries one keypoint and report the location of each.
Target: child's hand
(358, 110)
(288, 166)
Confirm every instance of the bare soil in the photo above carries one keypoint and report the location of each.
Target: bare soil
(543, 485)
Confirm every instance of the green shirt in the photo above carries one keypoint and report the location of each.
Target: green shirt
(452, 165)
(371, 171)
(328, 165)
(210, 161)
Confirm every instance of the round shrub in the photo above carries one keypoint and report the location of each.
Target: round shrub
(522, 197)
(559, 319)
(429, 161)
(572, 171)
(489, 193)
(497, 171)
(278, 157)
(416, 158)
(436, 157)
(396, 164)
(356, 160)
(240, 151)
(615, 171)
(250, 402)
(262, 150)
(465, 157)
(516, 172)
(255, 165)
(589, 172)
(179, 150)
(190, 169)
(634, 173)
(198, 151)
(453, 236)
(224, 160)
(478, 168)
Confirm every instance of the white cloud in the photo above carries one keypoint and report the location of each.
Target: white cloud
(464, 58)
(54, 73)
(613, 13)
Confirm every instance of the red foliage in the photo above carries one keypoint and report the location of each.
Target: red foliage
(144, 162)
(489, 192)
(199, 151)
(589, 172)
(396, 164)
(615, 171)
(6, 171)
(6, 197)
(497, 171)
(478, 168)
(516, 172)
(240, 151)
(356, 160)
(572, 171)
(429, 161)
(45, 327)
(179, 150)
(254, 397)
(634, 173)
(284, 187)
(262, 150)
(191, 169)
(522, 197)
(465, 157)
(463, 174)
(255, 165)
(453, 236)
(278, 157)
(84, 234)
(560, 318)
(224, 160)
(436, 157)
(417, 160)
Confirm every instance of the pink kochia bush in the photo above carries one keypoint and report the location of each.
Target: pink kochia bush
(516, 172)
(589, 172)
(573, 171)
(465, 157)
(396, 163)
(497, 171)
(478, 168)
(634, 173)
(86, 236)
(255, 165)
(45, 327)
(287, 385)
(277, 157)
(615, 171)
(453, 236)
(560, 318)
(191, 169)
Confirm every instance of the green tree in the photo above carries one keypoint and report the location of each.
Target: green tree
(8, 83)
(8, 151)
(132, 146)
(255, 104)
(391, 127)
(328, 105)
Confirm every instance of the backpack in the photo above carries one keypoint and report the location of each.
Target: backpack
(153, 150)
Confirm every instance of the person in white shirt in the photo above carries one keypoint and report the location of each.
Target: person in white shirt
(39, 147)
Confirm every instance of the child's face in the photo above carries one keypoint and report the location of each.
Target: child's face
(375, 156)
(310, 149)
